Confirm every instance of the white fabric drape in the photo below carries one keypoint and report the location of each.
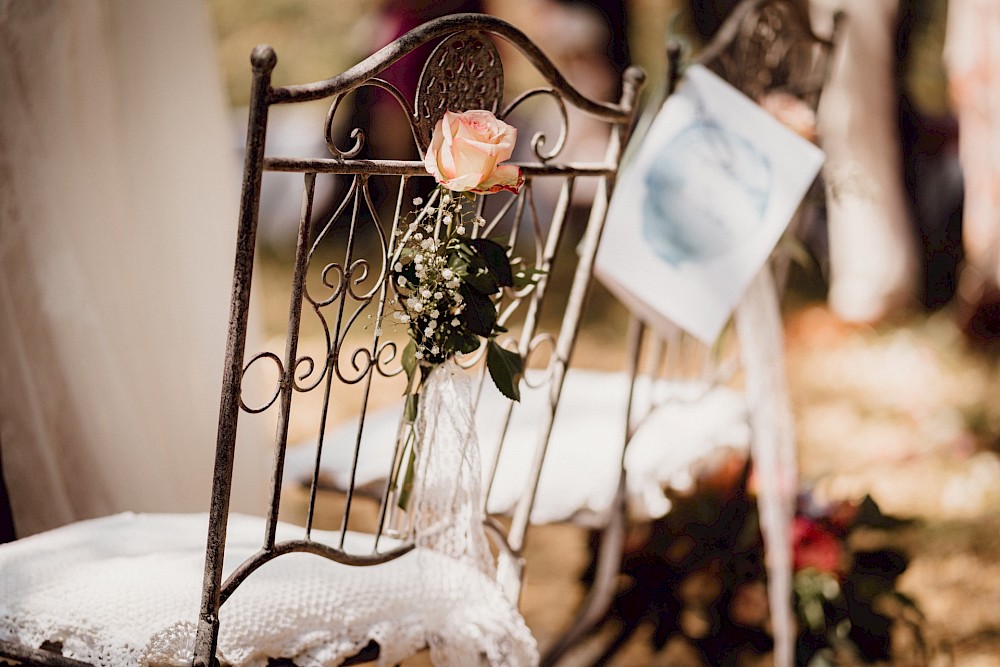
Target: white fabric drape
(118, 196)
(873, 250)
(972, 54)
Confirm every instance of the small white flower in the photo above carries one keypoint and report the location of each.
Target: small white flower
(426, 293)
(401, 281)
(438, 295)
(447, 219)
(418, 236)
(456, 322)
(417, 201)
(435, 314)
(429, 331)
(427, 244)
(447, 274)
(419, 354)
(461, 229)
(435, 349)
(446, 199)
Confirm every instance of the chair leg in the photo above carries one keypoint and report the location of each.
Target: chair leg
(609, 560)
(7, 533)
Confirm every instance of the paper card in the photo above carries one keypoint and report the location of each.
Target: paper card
(697, 212)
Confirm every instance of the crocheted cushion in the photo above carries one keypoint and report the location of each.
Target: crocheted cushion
(125, 590)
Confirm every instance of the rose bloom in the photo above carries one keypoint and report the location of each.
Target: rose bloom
(466, 151)
(815, 546)
(791, 112)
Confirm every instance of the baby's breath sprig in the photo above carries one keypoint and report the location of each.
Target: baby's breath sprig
(445, 273)
(446, 277)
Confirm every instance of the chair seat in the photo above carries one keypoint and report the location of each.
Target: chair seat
(584, 454)
(125, 590)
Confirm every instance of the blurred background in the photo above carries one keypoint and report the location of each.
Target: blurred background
(895, 403)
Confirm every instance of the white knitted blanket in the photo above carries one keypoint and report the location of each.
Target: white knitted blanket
(125, 590)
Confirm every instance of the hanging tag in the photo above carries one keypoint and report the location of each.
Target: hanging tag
(698, 211)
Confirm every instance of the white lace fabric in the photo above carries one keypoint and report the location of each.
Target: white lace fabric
(448, 514)
(124, 590)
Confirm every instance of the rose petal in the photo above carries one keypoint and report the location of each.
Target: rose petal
(446, 158)
(465, 150)
(504, 177)
(471, 158)
(463, 183)
(493, 149)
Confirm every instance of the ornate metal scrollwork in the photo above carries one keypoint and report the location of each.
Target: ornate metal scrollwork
(774, 48)
(540, 139)
(463, 72)
(356, 134)
(277, 385)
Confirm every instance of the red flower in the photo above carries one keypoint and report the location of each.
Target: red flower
(816, 547)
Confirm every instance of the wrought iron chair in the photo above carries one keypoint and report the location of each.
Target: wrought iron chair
(763, 47)
(263, 579)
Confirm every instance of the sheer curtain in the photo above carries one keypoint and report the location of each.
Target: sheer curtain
(118, 197)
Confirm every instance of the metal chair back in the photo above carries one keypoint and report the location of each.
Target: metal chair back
(340, 289)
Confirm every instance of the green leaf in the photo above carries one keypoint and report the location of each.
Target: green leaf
(409, 359)
(407, 486)
(462, 342)
(479, 314)
(506, 369)
(458, 262)
(481, 280)
(495, 257)
(410, 407)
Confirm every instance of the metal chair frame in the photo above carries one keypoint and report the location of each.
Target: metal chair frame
(464, 72)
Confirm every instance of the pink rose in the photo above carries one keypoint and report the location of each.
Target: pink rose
(815, 546)
(792, 112)
(466, 151)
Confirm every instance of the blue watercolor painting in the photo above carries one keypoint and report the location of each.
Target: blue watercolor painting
(705, 194)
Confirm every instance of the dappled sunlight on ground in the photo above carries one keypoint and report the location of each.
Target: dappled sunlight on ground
(907, 412)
